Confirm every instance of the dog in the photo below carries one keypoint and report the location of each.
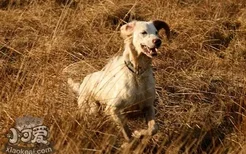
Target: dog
(127, 80)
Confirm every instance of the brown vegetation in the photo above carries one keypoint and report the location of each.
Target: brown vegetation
(200, 74)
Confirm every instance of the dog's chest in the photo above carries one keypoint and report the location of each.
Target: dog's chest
(139, 90)
(122, 88)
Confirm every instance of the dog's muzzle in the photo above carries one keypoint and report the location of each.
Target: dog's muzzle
(152, 52)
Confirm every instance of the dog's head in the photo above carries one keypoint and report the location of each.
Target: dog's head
(145, 36)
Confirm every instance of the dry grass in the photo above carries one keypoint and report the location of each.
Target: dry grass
(201, 74)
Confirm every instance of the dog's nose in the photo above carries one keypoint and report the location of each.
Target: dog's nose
(157, 42)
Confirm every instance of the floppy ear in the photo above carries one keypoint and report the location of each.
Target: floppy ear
(162, 24)
(127, 29)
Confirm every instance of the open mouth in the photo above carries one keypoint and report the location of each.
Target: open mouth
(150, 52)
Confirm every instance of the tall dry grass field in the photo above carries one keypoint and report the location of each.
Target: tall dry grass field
(200, 74)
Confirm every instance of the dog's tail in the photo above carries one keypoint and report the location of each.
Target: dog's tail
(74, 85)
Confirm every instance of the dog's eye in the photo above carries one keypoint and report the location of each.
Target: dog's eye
(144, 32)
(156, 32)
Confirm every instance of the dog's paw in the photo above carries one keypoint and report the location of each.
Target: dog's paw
(126, 145)
(140, 133)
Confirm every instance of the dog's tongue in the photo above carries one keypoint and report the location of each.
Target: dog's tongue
(153, 52)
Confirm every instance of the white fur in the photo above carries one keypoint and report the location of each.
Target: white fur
(117, 87)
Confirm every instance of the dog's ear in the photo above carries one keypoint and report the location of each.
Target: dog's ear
(162, 24)
(127, 29)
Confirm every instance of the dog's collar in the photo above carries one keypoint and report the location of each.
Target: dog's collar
(130, 66)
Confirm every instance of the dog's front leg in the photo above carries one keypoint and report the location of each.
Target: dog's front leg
(121, 121)
(149, 113)
(150, 119)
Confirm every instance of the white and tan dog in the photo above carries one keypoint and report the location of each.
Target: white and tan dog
(126, 80)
